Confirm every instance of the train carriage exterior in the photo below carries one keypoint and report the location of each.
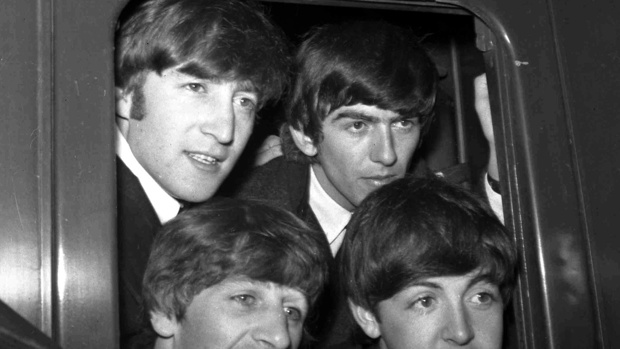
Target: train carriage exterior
(554, 75)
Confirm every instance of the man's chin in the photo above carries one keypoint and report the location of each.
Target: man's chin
(196, 196)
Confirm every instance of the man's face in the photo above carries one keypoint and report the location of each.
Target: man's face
(241, 313)
(363, 147)
(192, 130)
(443, 312)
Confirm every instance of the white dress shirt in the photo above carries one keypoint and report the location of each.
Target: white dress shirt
(332, 217)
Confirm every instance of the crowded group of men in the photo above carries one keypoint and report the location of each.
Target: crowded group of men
(344, 241)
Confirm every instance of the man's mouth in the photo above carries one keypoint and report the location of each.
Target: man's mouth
(205, 159)
(379, 181)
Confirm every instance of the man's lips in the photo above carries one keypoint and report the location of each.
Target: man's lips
(204, 158)
(380, 180)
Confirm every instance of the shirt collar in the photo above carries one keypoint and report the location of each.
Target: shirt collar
(332, 217)
(165, 205)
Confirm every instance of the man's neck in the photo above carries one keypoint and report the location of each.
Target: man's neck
(165, 205)
(328, 188)
(163, 343)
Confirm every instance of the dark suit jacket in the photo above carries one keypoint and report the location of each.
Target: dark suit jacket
(137, 224)
(281, 183)
(285, 184)
(347, 345)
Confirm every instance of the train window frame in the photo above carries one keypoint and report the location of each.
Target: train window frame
(61, 212)
(556, 264)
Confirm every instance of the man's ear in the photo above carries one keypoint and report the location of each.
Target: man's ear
(163, 325)
(366, 319)
(123, 102)
(303, 142)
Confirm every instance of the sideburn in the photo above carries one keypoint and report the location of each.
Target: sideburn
(137, 105)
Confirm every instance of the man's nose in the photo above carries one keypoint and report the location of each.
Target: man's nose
(218, 120)
(273, 330)
(458, 329)
(383, 150)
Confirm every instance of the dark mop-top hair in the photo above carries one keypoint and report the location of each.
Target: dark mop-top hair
(227, 238)
(373, 63)
(222, 40)
(414, 229)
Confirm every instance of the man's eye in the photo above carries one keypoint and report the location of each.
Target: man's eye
(408, 123)
(483, 298)
(246, 103)
(357, 126)
(244, 299)
(293, 314)
(424, 302)
(195, 87)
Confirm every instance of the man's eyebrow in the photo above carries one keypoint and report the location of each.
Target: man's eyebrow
(356, 115)
(482, 277)
(425, 283)
(241, 279)
(196, 71)
(402, 117)
(246, 85)
(199, 72)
